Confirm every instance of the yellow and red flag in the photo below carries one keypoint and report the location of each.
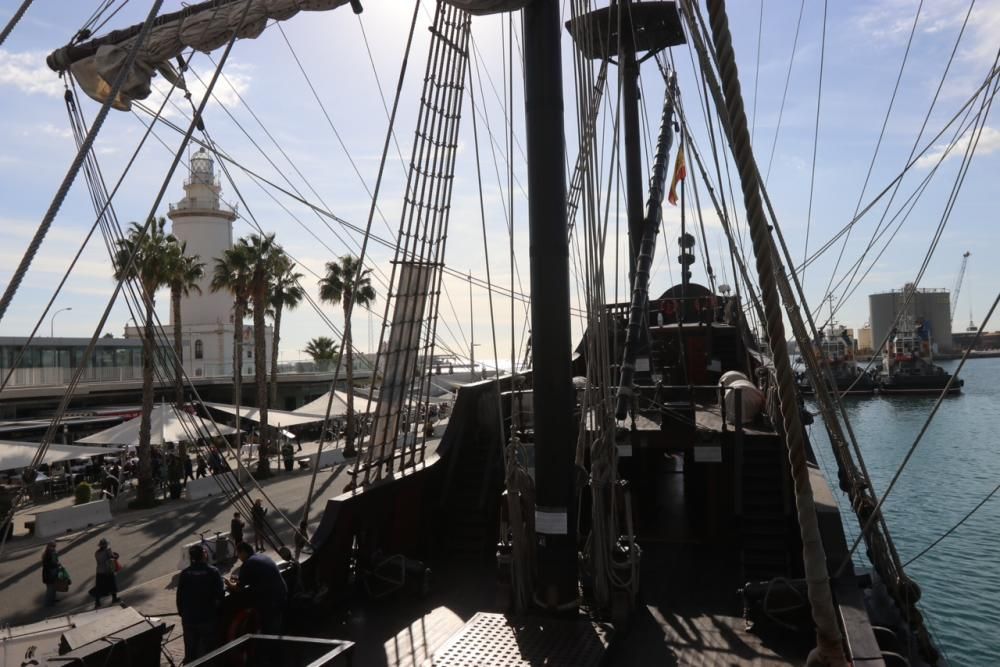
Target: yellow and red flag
(680, 173)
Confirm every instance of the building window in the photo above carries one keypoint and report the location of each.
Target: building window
(199, 350)
(249, 354)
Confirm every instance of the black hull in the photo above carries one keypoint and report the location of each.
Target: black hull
(851, 386)
(919, 385)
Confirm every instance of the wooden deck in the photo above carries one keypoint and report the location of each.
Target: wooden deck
(690, 614)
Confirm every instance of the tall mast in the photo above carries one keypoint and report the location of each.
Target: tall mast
(555, 427)
(628, 74)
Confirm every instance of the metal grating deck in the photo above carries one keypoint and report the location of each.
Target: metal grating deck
(496, 640)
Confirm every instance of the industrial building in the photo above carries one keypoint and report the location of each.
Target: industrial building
(929, 305)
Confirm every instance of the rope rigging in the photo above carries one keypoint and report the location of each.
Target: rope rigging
(14, 20)
(916, 142)
(74, 168)
(815, 146)
(326, 213)
(878, 144)
(949, 207)
(882, 550)
(784, 93)
(125, 270)
(828, 635)
(422, 233)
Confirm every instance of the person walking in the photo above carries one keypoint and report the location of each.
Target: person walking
(236, 527)
(200, 591)
(257, 513)
(188, 469)
(107, 577)
(50, 572)
(288, 456)
(202, 466)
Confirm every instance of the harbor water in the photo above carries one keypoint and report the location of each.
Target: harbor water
(955, 466)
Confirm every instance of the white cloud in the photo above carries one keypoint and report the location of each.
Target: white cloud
(892, 20)
(989, 142)
(53, 131)
(227, 91)
(28, 73)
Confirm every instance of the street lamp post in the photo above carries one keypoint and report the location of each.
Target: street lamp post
(52, 322)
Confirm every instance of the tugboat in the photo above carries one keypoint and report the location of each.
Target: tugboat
(908, 364)
(836, 352)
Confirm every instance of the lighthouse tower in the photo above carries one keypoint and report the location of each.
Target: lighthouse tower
(205, 224)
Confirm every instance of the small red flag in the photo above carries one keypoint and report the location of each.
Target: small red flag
(680, 173)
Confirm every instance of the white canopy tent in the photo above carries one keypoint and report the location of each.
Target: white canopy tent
(339, 407)
(15, 455)
(167, 425)
(275, 418)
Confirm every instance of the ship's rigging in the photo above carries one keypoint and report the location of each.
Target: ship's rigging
(415, 285)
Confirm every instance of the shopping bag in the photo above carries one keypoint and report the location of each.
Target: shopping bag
(62, 580)
(118, 565)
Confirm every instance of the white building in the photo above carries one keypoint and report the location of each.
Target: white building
(205, 224)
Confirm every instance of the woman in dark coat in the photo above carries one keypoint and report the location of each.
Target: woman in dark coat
(107, 579)
(50, 572)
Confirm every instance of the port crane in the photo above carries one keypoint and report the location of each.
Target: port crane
(958, 284)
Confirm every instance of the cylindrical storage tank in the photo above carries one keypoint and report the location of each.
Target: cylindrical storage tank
(751, 401)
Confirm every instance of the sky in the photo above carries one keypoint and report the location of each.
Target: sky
(331, 153)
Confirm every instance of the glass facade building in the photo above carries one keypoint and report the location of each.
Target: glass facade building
(53, 360)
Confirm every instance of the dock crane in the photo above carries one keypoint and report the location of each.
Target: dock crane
(958, 284)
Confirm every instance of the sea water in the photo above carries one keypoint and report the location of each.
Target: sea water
(954, 467)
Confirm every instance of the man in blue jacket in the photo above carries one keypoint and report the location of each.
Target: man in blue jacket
(200, 591)
(261, 581)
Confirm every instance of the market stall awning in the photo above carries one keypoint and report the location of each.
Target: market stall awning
(14, 455)
(167, 425)
(339, 407)
(276, 418)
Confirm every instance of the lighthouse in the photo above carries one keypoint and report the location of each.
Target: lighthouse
(204, 223)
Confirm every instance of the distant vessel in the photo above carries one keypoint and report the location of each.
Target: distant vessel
(908, 364)
(837, 353)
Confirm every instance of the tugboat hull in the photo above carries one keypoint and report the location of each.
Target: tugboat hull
(852, 386)
(919, 384)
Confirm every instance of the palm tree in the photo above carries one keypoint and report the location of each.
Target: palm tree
(149, 251)
(348, 284)
(183, 273)
(286, 293)
(262, 261)
(231, 273)
(323, 350)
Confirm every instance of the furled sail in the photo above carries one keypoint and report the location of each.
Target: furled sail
(204, 27)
